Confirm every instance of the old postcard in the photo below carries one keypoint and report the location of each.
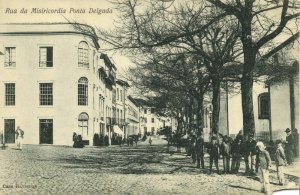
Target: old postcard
(149, 97)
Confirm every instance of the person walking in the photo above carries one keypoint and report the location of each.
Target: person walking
(214, 152)
(280, 161)
(19, 137)
(289, 146)
(150, 141)
(199, 150)
(225, 152)
(263, 168)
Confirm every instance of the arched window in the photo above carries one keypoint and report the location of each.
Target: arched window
(264, 106)
(83, 54)
(83, 91)
(83, 125)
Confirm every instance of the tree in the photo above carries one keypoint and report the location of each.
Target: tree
(257, 30)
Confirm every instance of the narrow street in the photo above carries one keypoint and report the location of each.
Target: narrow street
(141, 169)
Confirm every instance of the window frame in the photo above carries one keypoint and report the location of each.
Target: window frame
(50, 101)
(83, 55)
(10, 96)
(83, 98)
(11, 63)
(47, 61)
(262, 113)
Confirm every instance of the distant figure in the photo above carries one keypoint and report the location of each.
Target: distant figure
(19, 137)
(199, 150)
(289, 146)
(250, 152)
(236, 155)
(280, 162)
(214, 153)
(74, 139)
(264, 163)
(150, 141)
(225, 152)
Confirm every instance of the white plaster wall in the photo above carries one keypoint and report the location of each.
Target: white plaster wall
(235, 115)
(280, 109)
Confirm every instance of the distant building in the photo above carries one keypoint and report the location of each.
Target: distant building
(132, 117)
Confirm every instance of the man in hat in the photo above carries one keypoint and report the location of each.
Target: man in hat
(214, 152)
(289, 146)
(19, 137)
(296, 142)
(225, 152)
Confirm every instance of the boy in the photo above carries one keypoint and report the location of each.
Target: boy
(263, 167)
(280, 161)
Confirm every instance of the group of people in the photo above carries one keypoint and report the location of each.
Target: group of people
(255, 154)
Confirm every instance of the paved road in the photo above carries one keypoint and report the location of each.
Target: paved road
(112, 170)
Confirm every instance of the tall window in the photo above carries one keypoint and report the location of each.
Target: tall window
(121, 95)
(263, 106)
(10, 57)
(83, 55)
(83, 91)
(152, 120)
(46, 94)
(46, 56)
(10, 98)
(145, 111)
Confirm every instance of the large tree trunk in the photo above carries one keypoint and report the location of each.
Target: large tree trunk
(247, 90)
(216, 105)
(249, 51)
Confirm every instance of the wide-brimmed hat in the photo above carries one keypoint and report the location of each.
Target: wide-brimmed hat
(287, 130)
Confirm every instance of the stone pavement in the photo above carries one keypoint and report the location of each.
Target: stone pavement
(113, 170)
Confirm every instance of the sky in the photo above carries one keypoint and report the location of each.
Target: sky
(10, 12)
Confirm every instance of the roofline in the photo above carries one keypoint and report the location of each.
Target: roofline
(94, 38)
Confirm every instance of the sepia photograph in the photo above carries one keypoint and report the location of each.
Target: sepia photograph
(149, 97)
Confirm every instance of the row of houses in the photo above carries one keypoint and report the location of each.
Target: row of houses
(55, 81)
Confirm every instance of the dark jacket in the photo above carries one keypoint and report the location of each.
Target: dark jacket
(280, 157)
(264, 159)
(251, 148)
(236, 149)
(199, 148)
(214, 150)
(290, 141)
(225, 149)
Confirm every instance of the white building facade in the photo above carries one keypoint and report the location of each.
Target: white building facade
(51, 84)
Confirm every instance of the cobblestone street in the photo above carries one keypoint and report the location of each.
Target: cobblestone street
(113, 170)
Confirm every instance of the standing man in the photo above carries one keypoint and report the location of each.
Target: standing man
(236, 155)
(250, 153)
(225, 152)
(289, 146)
(19, 137)
(199, 150)
(214, 153)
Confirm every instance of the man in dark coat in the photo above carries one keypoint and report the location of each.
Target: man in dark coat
(225, 152)
(250, 153)
(236, 155)
(199, 151)
(289, 146)
(214, 152)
